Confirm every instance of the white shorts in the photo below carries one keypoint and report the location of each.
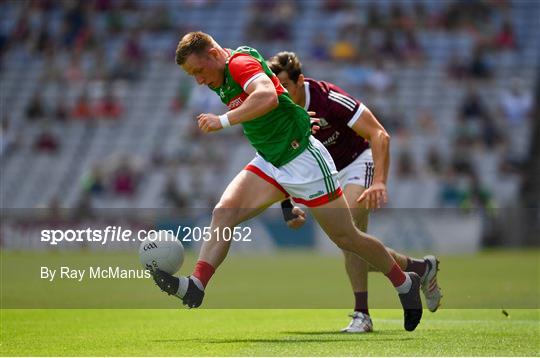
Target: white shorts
(310, 178)
(359, 172)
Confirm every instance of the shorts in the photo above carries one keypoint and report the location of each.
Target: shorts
(359, 172)
(310, 179)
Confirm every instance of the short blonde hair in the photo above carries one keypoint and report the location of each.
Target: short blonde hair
(194, 42)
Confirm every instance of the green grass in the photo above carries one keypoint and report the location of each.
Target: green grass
(263, 333)
(304, 279)
(256, 301)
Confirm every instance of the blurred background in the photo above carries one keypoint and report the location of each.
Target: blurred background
(96, 115)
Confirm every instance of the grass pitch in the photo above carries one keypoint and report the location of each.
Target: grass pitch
(236, 332)
(271, 324)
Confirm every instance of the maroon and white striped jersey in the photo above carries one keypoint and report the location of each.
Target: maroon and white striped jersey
(338, 112)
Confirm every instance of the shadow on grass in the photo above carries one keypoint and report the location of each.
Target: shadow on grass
(398, 332)
(322, 337)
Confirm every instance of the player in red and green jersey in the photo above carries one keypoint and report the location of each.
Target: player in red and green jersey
(348, 129)
(279, 135)
(289, 162)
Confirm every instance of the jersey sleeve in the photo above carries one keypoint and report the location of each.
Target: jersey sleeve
(344, 105)
(245, 69)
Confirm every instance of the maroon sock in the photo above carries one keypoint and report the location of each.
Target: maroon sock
(417, 266)
(360, 302)
(396, 275)
(203, 271)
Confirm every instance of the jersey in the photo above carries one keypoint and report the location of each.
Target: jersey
(338, 112)
(280, 135)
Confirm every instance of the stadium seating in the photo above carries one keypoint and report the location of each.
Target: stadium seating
(148, 126)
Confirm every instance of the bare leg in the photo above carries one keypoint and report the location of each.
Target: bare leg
(338, 225)
(245, 197)
(400, 258)
(357, 269)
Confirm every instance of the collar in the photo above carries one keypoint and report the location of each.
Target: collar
(308, 96)
(229, 53)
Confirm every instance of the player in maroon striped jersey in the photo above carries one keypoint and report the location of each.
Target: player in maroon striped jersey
(359, 145)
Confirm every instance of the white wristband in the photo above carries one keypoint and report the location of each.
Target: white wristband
(224, 119)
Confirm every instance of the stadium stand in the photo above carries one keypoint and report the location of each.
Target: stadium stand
(432, 53)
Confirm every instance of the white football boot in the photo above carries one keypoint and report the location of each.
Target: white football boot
(430, 288)
(360, 323)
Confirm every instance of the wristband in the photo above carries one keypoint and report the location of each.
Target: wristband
(286, 208)
(224, 119)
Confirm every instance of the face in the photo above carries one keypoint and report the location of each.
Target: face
(296, 90)
(207, 69)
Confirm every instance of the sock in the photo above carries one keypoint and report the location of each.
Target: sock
(360, 302)
(182, 286)
(401, 281)
(415, 265)
(203, 272)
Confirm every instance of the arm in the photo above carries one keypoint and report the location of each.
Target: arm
(262, 98)
(261, 95)
(369, 128)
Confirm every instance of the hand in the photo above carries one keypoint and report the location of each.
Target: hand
(374, 197)
(300, 219)
(315, 122)
(209, 122)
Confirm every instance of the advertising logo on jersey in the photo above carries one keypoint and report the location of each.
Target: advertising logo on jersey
(235, 102)
(332, 139)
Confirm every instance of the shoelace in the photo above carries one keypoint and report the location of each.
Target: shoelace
(432, 285)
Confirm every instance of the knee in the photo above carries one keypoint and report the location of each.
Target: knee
(348, 255)
(348, 241)
(344, 241)
(360, 218)
(225, 213)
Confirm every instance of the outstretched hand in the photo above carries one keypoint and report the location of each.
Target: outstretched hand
(374, 197)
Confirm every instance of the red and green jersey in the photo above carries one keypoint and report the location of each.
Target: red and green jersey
(280, 135)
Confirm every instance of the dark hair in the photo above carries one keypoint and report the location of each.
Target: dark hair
(288, 62)
(194, 42)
